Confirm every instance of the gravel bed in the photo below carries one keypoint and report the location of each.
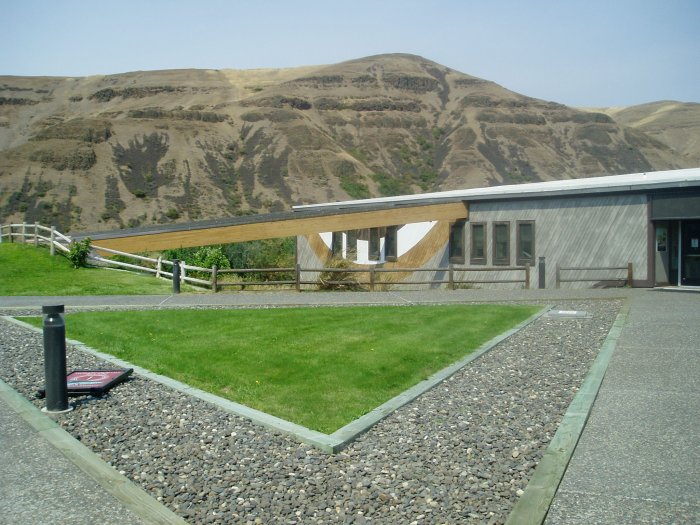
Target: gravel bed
(461, 453)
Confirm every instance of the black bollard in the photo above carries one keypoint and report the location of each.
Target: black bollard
(542, 277)
(55, 359)
(176, 276)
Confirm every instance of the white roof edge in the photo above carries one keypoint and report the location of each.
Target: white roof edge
(629, 182)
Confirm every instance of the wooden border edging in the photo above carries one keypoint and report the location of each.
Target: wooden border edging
(532, 507)
(137, 500)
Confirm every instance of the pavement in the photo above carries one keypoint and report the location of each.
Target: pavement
(637, 459)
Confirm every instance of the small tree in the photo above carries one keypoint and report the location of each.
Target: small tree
(78, 252)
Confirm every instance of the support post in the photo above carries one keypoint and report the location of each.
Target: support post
(527, 277)
(630, 274)
(52, 249)
(214, 276)
(55, 359)
(542, 277)
(9, 230)
(371, 278)
(297, 277)
(176, 276)
(451, 277)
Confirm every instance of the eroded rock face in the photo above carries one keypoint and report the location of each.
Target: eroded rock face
(147, 147)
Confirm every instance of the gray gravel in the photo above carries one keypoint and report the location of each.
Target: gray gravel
(461, 453)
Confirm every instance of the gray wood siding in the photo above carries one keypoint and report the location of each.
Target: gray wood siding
(574, 232)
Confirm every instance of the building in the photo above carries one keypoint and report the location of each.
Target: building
(580, 227)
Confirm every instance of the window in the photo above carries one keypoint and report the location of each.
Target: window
(390, 243)
(374, 245)
(351, 245)
(337, 244)
(477, 249)
(526, 243)
(456, 247)
(501, 243)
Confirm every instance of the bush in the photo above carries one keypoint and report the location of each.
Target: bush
(338, 280)
(78, 252)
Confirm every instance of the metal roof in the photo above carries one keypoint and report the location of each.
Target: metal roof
(634, 182)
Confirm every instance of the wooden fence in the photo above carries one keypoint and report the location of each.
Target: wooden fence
(369, 277)
(627, 279)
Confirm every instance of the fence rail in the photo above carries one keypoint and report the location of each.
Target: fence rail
(627, 279)
(452, 276)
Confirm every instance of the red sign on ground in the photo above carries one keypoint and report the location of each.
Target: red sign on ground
(95, 382)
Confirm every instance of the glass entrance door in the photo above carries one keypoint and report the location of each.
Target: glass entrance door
(690, 253)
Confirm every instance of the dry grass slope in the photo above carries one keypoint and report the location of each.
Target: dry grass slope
(154, 147)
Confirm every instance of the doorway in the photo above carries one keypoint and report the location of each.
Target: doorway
(689, 253)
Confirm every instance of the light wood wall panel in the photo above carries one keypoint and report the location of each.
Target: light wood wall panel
(192, 235)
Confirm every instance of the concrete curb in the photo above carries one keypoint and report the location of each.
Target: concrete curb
(329, 443)
(121, 488)
(533, 505)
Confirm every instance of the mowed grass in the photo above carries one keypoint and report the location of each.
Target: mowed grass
(318, 367)
(29, 270)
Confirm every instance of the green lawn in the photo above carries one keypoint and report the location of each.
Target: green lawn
(318, 367)
(28, 270)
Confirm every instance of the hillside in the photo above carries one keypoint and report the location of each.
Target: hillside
(676, 124)
(140, 148)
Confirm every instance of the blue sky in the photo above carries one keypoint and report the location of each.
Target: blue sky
(580, 53)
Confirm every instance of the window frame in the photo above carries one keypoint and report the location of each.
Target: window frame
(473, 259)
(374, 246)
(337, 244)
(351, 244)
(391, 244)
(501, 261)
(520, 260)
(456, 251)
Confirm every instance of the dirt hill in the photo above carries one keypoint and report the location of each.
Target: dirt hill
(141, 148)
(676, 124)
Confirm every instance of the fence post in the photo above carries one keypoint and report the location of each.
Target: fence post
(24, 233)
(159, 266)
(53, 240)
(183, 271)
(176, 276)
(558, 281)
(630, 274)
(297, 277)
(371, 278)
(527, 277)
(214, 275)
(1, 227)
(451, 277)
(36, 234)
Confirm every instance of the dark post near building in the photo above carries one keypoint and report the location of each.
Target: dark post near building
(55, 359)
(542, 275)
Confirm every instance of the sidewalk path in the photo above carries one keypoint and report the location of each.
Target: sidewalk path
(290, 298)
(48, 477)
(638, 459)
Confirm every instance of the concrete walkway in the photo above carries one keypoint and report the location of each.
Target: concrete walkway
(637, 461)
(48, 477)
(638, 458)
